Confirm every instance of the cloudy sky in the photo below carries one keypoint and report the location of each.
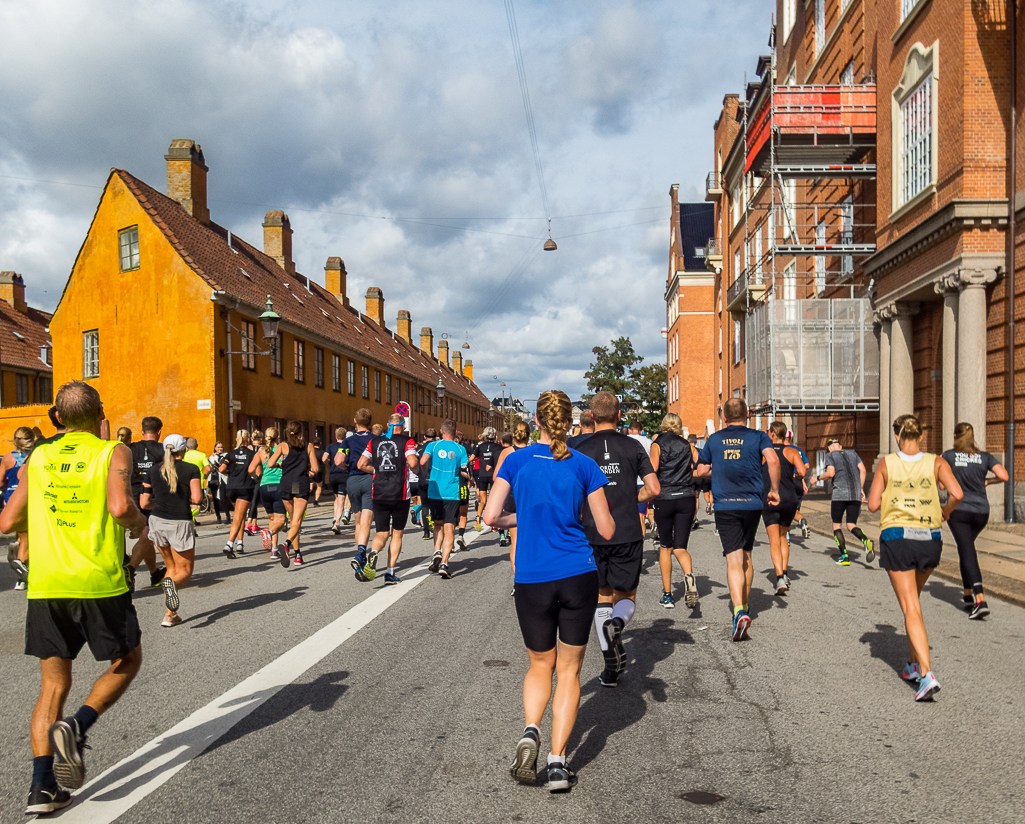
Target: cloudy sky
(394, 136)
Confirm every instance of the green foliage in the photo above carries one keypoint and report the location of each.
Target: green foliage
(612, 369)
(617, 369)
(650, 390)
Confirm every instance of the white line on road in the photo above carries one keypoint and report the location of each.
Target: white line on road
(119, 788)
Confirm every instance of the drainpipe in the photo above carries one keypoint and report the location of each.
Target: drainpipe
(220, 297)
(1009, 266)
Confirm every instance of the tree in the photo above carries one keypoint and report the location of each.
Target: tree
(612, 370)
(649, 387)
(643, 388)
(511, 419)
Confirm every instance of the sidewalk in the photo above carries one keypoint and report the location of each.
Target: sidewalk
(1001, 549)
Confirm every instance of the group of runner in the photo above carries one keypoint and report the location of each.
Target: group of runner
(574, 517)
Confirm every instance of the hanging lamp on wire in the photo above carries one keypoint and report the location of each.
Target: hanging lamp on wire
(550, 244)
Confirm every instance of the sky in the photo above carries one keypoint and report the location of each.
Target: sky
(394, 136)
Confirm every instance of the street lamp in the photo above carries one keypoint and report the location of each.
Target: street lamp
(269, 321)
(440, 389)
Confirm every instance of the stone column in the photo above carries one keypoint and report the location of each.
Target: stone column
(902, 372)
(949, 289)
(884, 319)
(971, 350)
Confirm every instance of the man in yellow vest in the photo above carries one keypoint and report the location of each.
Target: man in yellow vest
(76, 505)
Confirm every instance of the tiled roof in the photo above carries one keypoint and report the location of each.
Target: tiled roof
(22, 335)
(246, 273)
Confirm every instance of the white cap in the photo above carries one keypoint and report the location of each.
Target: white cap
(176, 443)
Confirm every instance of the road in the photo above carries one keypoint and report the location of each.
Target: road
(305, 696)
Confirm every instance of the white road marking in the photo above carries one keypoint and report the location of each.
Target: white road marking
(119, 788)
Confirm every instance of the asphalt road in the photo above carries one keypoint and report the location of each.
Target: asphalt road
(406, 708)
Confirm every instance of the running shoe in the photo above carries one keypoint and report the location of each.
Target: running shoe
(156, 577)
(20, 567)
(613, 629)
(911, 672)
(370, 567)
(335, 529)
(609, 677)
(560, 778)
(239, 548)
(274, 555)
(870, 555)
(524, 765)
(68, 742)
(129, 578)
(690, 591)
(428, 537)
(268, 541)
(969, 603)
(979, 610)
(359, 560)
(435, 562)
(346, 516)
(844, 559)
(20, 585)
(443, 571)
(414, 515)
(392, 578)
(781, 585)
(512, 593)
(741, 621)
(667, 601)
(43, 801)
(283, 558)
(804, 528)
(298, 559)
(504, 540)
(927, 687)
(229, 550)
(173, 621)
(171, 601)
(461, 542)
(478, 525)
(252, 530)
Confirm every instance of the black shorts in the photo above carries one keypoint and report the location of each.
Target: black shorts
(444, 512)
(560, 610)
(902, 554)
(484, 483)
(389, 515)
(297, 489)
(782, 515)
(338, 484)
(674, 518)
(236, 495)
(840, 510)
(273, 503)
(60, 627)
(619, 565)
(737, 528)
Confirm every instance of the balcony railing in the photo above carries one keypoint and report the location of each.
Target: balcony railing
(737, 294)
(713, 254)
(713, 185)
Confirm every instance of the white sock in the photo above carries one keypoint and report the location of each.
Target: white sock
(556, 759)
(391, 570)
(535, 728)
(602, 614)
(624, 609)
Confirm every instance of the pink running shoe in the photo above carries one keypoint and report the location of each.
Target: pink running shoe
(268, 541)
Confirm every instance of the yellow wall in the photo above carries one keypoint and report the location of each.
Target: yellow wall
(31, 416)
(155, 322)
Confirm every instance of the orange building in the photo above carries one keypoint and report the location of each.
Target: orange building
(161, 314)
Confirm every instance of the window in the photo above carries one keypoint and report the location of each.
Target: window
(248, 345)
(277, 345)
(91, 354)
(843, 5)
(737, 345)
(847, 75)
(21, 388)
(847, 234)
(735, 204)
(377, 385)
(820, 260)
(788, 194)
(299, 360)
(758, 256)
(318, 367)
(352, 378)
(45, 389)
(906, 7)
(792, 76)
(789, 17)
(336, 373)
(820, 25)
(790, 290)
(366, 382)
(916, 140)
(387, 388)
(128, 242)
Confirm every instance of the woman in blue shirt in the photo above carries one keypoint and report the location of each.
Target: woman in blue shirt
(556, 579)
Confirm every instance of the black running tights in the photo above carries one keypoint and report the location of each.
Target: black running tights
(966, 527)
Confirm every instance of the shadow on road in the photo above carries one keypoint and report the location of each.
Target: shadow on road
(242, 604)
(886, 645)
(947, 593)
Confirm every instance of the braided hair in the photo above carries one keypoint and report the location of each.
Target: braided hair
(554, 413)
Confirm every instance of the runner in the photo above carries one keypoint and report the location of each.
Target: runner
(634, 431)
(673, 459)
(253, 523)
(444, 464)
(911, 539)
(338, 475)
(77, 590)
(778, 517)
(971, 467)
(214, 483)
(622, 459)
(318, 480)
(557, 582)
(519, 438)
(298, 461)
(270, 491)
(10, 466)
(586, 430)
(422, 510)
(464, 498)
(848, 474)
(146, 454)
(124, 435)
(390, 458)
(801, 488)
(168, 491)
(239, 491)
(487, 453)
(359, 489)
(733, 457)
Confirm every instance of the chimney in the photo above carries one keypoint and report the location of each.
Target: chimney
(186, 177)
(427, 341)
(405, 326)
(334, 279)
(443, 351)
(12, 291)
(468, 370)
(375, 305)
(277, 239)
(457, 362)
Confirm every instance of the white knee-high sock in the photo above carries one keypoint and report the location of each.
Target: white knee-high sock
(602, 614)
(624, 609)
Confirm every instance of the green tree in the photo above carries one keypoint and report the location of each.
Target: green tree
(612, 369)
(649, 387)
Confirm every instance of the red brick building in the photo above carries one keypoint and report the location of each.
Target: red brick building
(26, 351)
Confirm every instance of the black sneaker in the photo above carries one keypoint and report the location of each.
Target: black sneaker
(969, 603)
(43, 800)
(156, 577)
(67, 743)
(435, 562)
(560, 778)
(979, 610)
(613, 630)
(171, 601)
(609, 677)
(229, 551)
(130, 577)
(524, 765)
(443, 571)
(283, 557)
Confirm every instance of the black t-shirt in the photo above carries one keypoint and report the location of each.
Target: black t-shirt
(356, 443)
(336, 471)
(145, 455)
(576, 440)
(236, 463)
(623, 460)
(388, 455)
(488, 453)
(176, 505)
(970, 471)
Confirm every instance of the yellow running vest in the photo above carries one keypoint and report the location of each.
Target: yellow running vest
(911, 498)
(75, 547)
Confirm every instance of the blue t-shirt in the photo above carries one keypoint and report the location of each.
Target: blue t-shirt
(336, 471)
(735, 454)
(447, 458)
(551, 543)
(356, 443)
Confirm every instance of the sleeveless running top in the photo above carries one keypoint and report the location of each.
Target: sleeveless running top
(910, 498)
(787, 482)
(270, 477)
(11, 475)
(77, 546)
(294, 466)
(675, 467)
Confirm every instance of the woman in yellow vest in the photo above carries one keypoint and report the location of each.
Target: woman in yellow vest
(905, 486)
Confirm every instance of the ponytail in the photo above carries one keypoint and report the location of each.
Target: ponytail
(964, 439)
(169, 471)
(907, 428)
(241, 438)
(24, 438)
(553, 413)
